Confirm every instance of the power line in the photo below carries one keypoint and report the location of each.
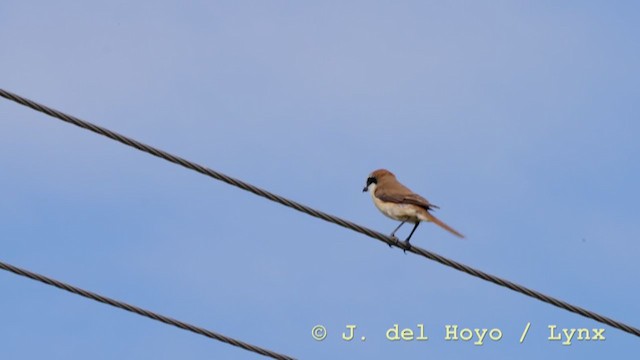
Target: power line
(319, 214)
(143, 312)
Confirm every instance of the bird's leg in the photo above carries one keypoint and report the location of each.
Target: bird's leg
(409, 237)
(393, 234)
(414, 229)
(394, 231)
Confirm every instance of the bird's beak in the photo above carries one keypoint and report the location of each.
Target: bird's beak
(366, 188)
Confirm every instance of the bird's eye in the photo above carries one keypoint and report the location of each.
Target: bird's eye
(371, 180)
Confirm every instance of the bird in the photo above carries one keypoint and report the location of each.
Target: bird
(399, 203)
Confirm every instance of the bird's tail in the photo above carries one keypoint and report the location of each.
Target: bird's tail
(435, 220)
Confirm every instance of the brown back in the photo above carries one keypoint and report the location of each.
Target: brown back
(391, 190)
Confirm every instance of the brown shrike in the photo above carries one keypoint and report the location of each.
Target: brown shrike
(399, 203)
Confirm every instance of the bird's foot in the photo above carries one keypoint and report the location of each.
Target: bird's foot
(395, 239)
(408, 245)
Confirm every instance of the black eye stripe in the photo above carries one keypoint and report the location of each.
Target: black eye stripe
(371, 180)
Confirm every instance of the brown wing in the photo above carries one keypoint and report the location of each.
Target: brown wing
(398, 193)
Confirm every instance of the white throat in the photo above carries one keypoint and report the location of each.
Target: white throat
(372, 189)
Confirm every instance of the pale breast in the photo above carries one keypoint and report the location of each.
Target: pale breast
(400, 212)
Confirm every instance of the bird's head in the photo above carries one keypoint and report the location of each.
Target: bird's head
(376, 176)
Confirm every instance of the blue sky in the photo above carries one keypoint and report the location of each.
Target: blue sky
(520, 119)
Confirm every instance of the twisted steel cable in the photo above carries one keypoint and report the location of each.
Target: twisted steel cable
(319, 214)
(143, 312)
